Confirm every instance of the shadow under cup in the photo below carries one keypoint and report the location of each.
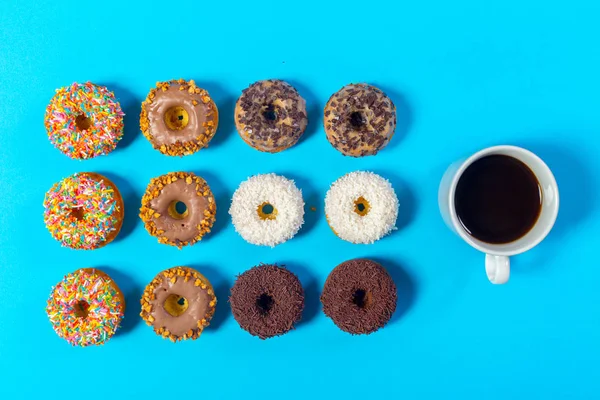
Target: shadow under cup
(548, 210)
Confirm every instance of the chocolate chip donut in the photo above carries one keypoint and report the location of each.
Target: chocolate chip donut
(178, 208)
(267, 300)
(270, 115)
(359, 120)
(179, 303)
(359, 296)
(178, 117)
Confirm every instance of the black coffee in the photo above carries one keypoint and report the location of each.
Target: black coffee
(498, 199)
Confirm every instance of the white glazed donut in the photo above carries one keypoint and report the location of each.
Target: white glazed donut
(361, 207)
(251, 215)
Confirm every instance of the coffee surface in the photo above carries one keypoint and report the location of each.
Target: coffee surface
(498, 199)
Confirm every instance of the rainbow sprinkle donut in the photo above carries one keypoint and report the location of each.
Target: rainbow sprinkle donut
(84, 211)
(84, 120)
(86, 307)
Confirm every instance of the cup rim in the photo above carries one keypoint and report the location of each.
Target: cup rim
(489, 248)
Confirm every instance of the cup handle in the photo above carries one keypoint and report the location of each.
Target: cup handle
(497, 268)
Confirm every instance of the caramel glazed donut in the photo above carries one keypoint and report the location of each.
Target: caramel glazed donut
(270, 115)
(178, 208)
(359, 120)
(179, 118)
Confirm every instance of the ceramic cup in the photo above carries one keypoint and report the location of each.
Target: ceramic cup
(497, 262)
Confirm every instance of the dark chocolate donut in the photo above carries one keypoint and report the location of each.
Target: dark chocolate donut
(270, 115)
(359, 296)
(267, 300)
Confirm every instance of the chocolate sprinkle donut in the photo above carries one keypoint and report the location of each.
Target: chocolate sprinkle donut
(270, 115)
(178, 208)
(359, 120)
(178, 117)
(267, 300)
(359, 296)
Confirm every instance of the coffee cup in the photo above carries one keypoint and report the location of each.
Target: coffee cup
(502, 201)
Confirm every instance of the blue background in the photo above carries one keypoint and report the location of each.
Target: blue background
(464, 75)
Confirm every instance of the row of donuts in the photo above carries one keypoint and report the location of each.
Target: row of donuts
(87, 307)
(84, 120)
(86, 210)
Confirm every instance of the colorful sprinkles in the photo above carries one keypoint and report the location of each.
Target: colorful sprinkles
(83, 211)
(84, 120)
(86, 307)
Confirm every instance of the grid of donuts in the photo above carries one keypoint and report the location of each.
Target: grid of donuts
(85, 211)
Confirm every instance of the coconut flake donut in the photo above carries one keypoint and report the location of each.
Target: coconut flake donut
(84, 211)
(361, 207)
(359, 120)
(267, 210)
(270, 115)
(178, 117)
(84, 120)
(86, 307)
(178, 208)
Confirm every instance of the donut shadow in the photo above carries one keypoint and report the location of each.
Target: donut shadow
(226, 105)
(406, 286)
(311, 199)
(222, 199)
(131, 202)
(131, 106)
(404, 115)
(312, 290)
(313, 109)
(406, 198)
(221, 287)
(132, 293)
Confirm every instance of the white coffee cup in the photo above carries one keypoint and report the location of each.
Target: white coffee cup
(497, 262)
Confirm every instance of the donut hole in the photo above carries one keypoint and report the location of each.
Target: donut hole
(77, 213)
(82, 122)
(361, 298)
(80, 309)
(270, 113)
(264, 303)
(357, 119)
(178, 210)
(267, 211)
(176, 118)
(361, 206)
(175, 305)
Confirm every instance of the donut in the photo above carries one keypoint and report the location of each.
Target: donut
(361, 207)
(270, 115)
(84, 120)
(86, 307)
(84, 211)
(178, 208)
(178, 117)
(267, 210)
(359, 296)
(267, 300)
(359, 120)
(179, 303)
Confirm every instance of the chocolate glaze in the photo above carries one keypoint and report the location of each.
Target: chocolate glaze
(359, 296)
(187, 188)
(270, 115)
(185, 282)
(202, 122)
(184, 229)
(359, 120)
